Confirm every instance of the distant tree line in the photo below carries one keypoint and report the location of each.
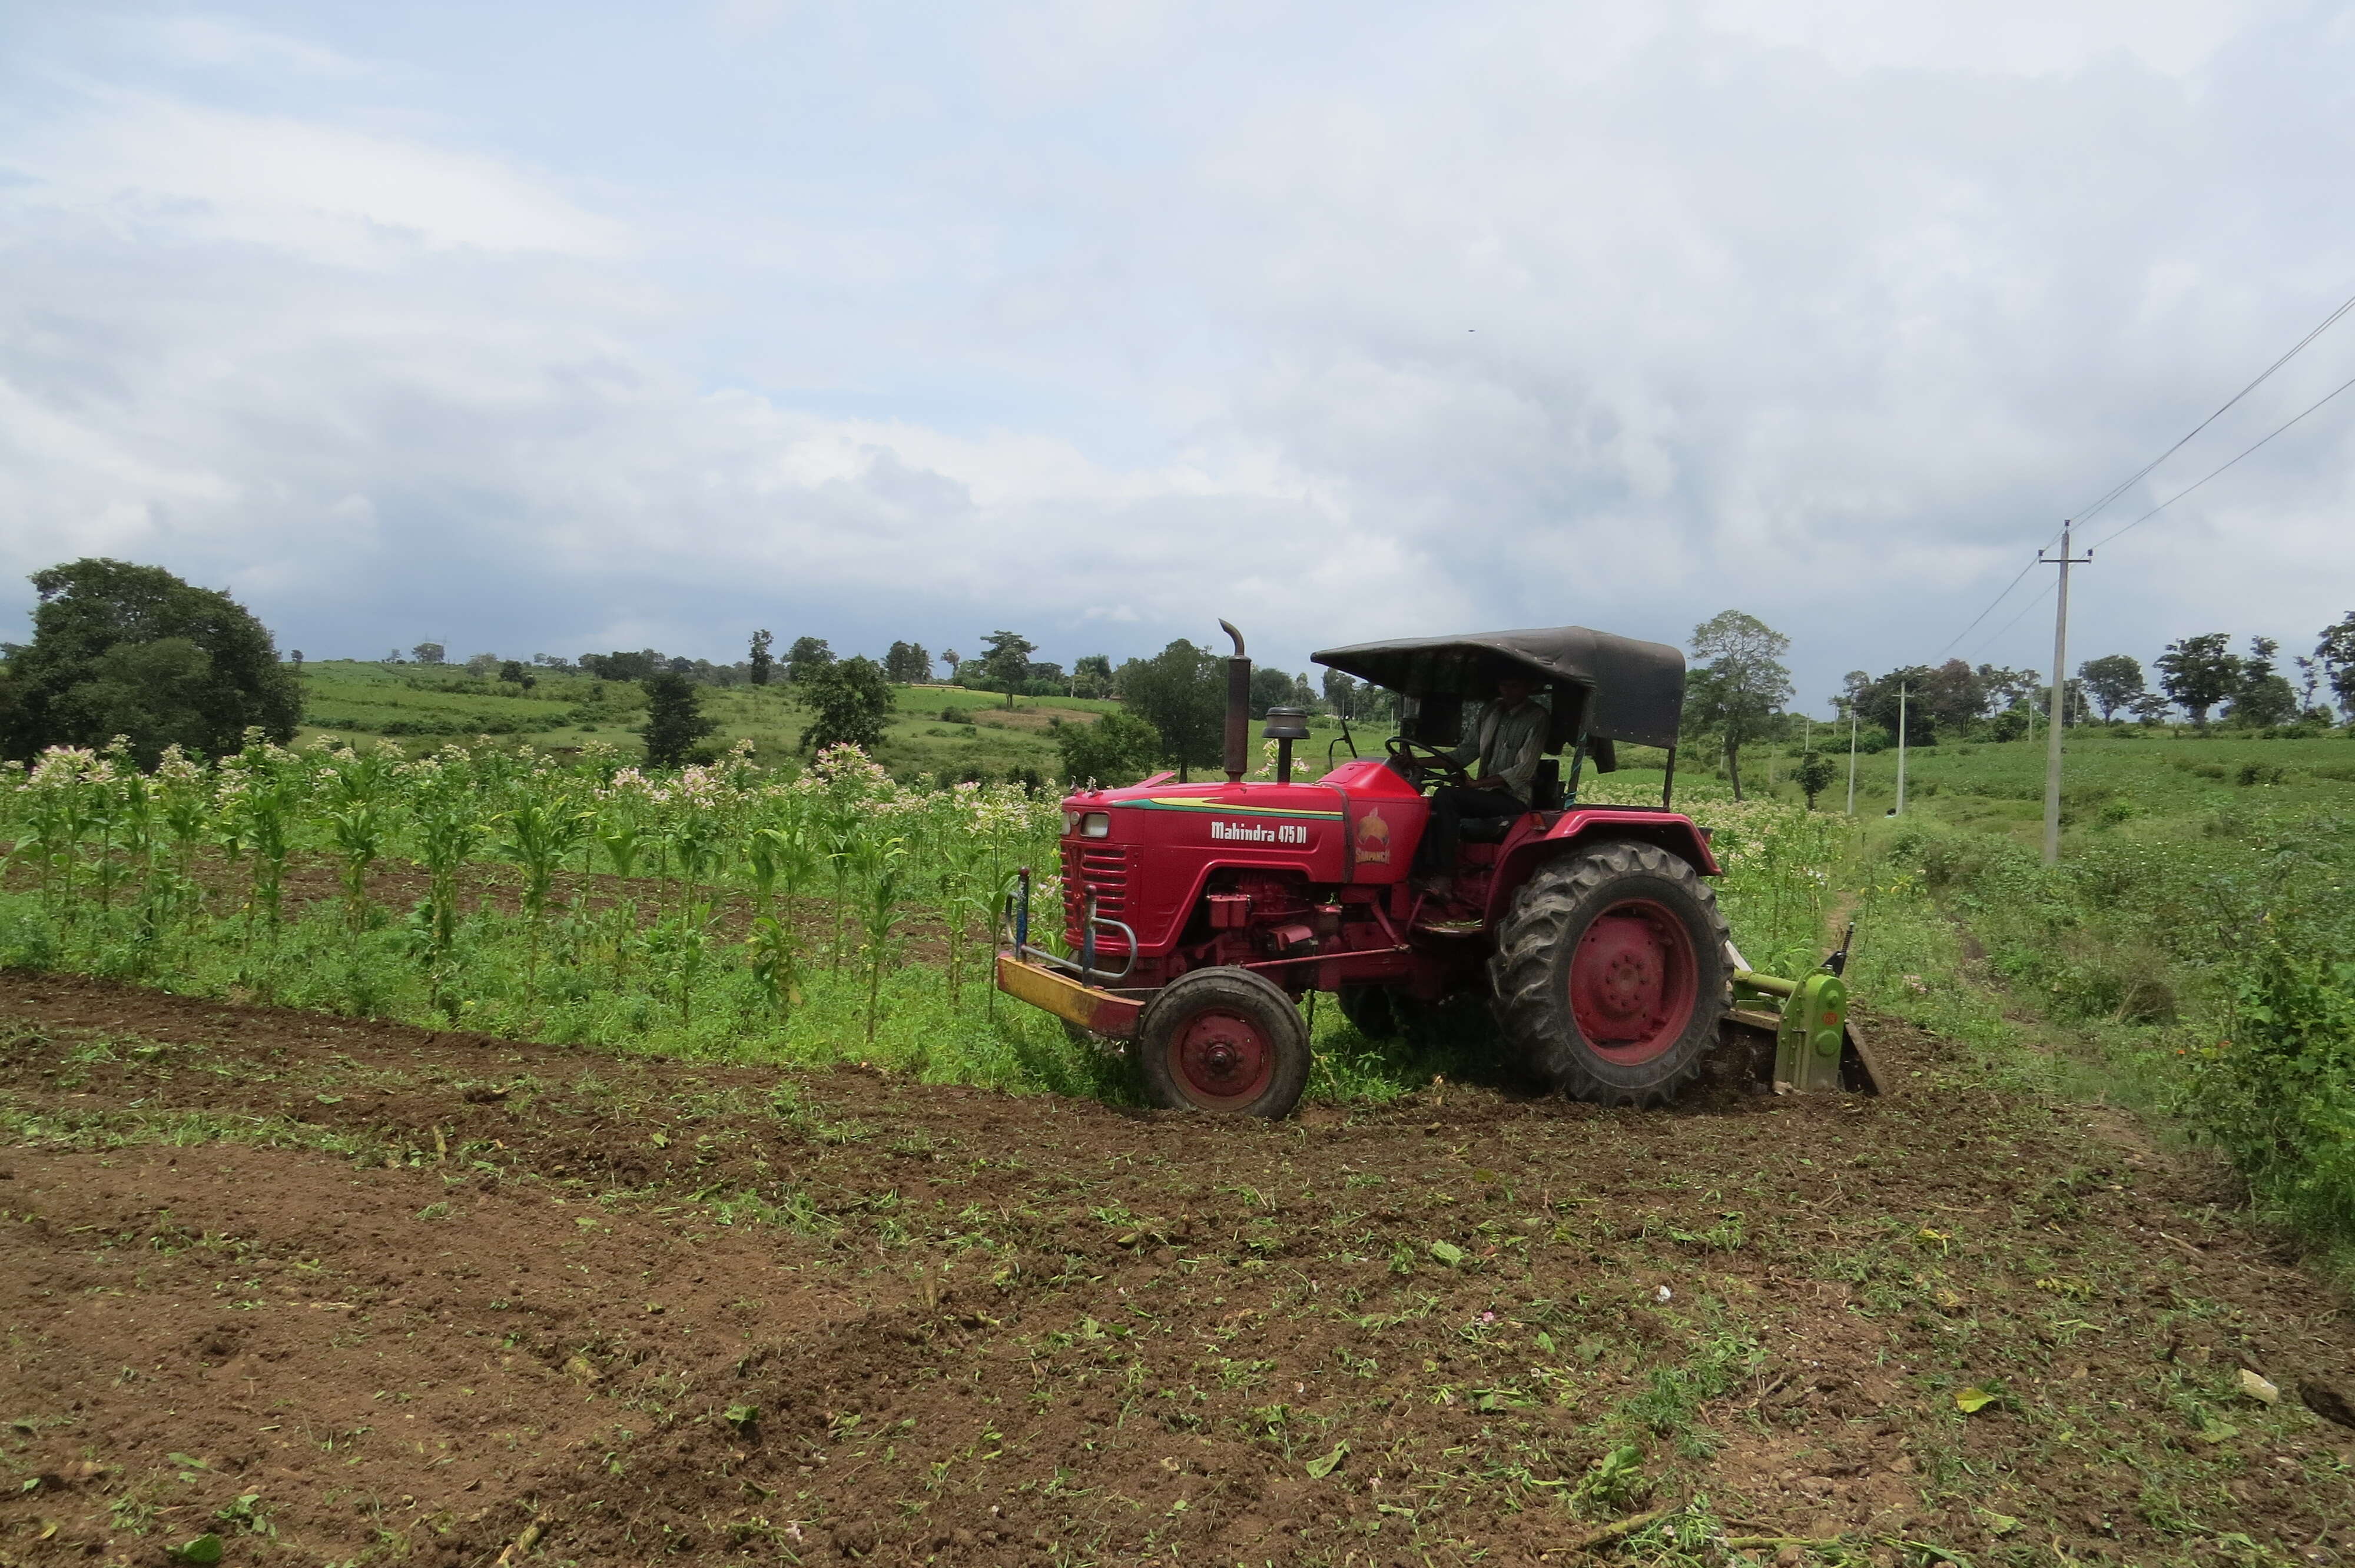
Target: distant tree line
(121, 649)
(2200, 676)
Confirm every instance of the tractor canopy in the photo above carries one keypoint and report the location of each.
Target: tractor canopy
(1610, 688)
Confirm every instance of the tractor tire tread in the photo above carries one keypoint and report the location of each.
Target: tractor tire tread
(1531, 1001)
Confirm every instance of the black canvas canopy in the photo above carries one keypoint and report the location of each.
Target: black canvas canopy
(1631, 691)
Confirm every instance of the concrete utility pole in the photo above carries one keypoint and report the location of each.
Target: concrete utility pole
(1851, 758)
(1900, 753)
(2055, 715)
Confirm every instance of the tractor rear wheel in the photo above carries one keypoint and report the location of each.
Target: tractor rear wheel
(1610, 973)
(1222, 1039)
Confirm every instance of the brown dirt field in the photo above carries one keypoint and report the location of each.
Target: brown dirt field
(417, 1295)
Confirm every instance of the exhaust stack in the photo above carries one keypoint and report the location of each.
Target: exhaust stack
(1238, 749)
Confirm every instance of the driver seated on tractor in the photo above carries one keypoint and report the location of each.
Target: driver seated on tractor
(1505, 741)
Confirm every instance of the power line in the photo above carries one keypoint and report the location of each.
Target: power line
(2190, 488)
(1999, 598)
(1994, 636)
(2292, 352)
(2139, 474)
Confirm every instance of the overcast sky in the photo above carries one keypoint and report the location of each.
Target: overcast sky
(566, 327)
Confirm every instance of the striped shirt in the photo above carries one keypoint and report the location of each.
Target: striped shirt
(1507, 743)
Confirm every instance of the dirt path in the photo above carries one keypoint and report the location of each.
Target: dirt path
(340, 1291)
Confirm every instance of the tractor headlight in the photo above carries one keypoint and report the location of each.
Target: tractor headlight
(1070, 823)
(1095, 825)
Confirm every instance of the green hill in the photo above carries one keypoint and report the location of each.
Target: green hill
(948, 730)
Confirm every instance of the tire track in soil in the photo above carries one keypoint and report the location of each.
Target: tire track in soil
(418, 1291)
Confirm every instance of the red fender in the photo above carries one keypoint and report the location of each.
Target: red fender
(1531, 845)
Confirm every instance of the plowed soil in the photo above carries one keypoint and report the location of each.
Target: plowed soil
(344, 1292)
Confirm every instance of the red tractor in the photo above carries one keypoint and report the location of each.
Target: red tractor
(1195, 916)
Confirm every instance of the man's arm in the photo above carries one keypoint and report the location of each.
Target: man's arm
(1467, 755)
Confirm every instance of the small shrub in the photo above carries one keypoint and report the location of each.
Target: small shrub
(2277, 1093)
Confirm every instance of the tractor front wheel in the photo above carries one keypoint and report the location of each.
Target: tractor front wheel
(1611, 975)
(1222, 1039)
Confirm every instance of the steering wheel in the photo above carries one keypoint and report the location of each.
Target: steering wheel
(1415, 759)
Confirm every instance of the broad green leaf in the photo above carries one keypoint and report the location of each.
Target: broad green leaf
(204, 1551)
(1447, 1253)
(1327, 1464)
(1971, 1401)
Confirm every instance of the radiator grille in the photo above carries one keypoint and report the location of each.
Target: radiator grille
(1098, 868)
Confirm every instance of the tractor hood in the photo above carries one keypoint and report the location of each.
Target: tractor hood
(1620, 688)
(1236, 807)
(1356, 824)
(1366, 779)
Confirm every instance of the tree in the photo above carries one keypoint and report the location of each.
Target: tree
(620, 666)
(850, 701)
(1342, 694)
(2198, 673)
(2263, 697)
(515, 674)
(128, 650)
(1092, 675)
(2113, 681)
(1007, 663)
(1742, 686)
(1117, 749)
(483, 666)
(762, 661)
(674, 719)
(907, 664)
(1814, 777)
(1271, 688)
(2337, 651)
(807, 655)
(428, 653)
(2008, 689)
(1880, 701)
(952, 658)
(2309, 677)
(1181, 691)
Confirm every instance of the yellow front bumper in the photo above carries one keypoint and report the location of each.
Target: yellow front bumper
(1097, 1010)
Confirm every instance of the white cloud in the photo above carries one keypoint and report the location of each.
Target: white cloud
(178, 172)
(2026, 38)
(227, 41)
(1493, 315)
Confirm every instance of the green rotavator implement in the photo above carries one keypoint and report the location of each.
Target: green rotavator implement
(1195, 916)
(1816, 1046)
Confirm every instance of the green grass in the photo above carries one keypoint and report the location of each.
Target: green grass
(2189, 954)
(949, 731)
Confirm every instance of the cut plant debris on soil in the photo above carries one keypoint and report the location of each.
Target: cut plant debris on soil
(283, 1287)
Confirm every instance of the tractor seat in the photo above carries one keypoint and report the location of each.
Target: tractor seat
(1487, 829)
